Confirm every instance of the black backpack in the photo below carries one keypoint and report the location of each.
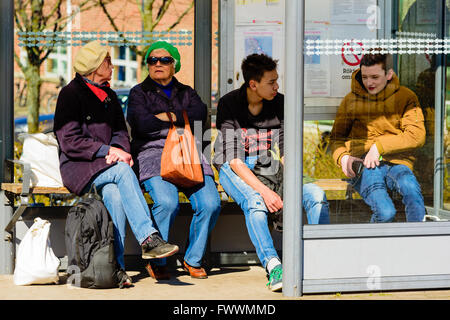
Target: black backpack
(89, 242)
(270, 172)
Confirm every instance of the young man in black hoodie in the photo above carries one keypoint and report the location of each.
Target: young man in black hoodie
(250, 121)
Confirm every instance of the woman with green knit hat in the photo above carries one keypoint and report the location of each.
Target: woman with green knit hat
(148, 105)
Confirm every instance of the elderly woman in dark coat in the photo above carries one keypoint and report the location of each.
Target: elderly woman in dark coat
(95, 149)
(148, 103)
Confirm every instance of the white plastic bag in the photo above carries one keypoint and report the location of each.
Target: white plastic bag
(40, 150)
(36, 263)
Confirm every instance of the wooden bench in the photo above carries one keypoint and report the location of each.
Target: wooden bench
(16, 188)
(19, 194)
(23, 191)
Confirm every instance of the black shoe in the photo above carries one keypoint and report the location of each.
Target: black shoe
(124, 279)
(155, 247)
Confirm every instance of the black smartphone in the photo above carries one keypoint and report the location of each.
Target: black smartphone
(357, 167)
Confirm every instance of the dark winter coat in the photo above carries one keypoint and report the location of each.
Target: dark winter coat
(149, 133)
(83, 124)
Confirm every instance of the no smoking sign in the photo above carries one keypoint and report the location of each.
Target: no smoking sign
(354, 58)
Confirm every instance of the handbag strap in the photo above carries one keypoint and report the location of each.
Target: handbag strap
(170, 118)
(185, 117)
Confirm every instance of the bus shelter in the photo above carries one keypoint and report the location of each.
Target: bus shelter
(319, 45)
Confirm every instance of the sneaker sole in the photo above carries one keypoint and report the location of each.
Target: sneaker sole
(165, 255)
(276, 288)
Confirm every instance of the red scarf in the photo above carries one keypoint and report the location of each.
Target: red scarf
(102, 95)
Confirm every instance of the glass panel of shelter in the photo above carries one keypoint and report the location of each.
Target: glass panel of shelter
(327, 74)
(337, 34)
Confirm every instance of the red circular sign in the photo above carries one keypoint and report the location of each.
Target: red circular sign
(353, 59)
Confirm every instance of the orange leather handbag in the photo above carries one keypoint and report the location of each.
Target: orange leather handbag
(180, 162)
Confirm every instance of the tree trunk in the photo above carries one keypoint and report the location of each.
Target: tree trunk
(33, 79)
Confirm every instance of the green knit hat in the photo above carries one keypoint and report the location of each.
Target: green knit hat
(169, 48)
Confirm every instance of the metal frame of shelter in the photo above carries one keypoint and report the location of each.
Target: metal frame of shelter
(320, 258)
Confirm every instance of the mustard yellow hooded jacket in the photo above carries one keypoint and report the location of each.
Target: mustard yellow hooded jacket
(392, 119)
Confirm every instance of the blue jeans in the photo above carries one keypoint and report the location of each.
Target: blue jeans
(124, 200)
(205, 201)
(255, 210)
(373, 186)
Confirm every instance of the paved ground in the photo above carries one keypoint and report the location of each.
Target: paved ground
(231, 283)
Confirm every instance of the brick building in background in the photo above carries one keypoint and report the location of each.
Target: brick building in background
(94, 24)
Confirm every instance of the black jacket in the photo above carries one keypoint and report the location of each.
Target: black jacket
(241, 134)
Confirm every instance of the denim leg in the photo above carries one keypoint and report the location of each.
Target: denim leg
(134, 207)
(205, 202)
(401, 179)
(255, 212)
(165, 206)
(372, 188)
(315, 204)
(113, 202)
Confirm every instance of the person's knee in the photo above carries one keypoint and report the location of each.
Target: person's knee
(211, 206)
(166, 204)
(122, 166)
(408, 186)
(377, 197)
(404, 179)
(385, 214)
(124, 172)
(257, 217)
(256, 209)
(212, 202)
(111, 195)
(314, 193)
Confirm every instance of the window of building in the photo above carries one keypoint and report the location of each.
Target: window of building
(56, 63)
(125, 66)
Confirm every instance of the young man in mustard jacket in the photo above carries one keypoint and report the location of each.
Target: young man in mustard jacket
(380, 124)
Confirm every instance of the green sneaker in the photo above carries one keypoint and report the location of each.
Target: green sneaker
(276, 279)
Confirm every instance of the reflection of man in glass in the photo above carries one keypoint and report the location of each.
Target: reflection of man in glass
(380, 124)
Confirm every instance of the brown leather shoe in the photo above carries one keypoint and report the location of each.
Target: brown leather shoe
(157, 272)
(195, 272)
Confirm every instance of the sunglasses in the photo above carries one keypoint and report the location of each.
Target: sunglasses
(164, 60)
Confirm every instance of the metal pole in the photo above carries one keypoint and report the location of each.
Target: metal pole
(293, 146)
(202, 49)
(202, 65)
(6, 122)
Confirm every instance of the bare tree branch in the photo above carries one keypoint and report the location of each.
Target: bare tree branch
(106, 12)
(161, 8)
(181, 16)
(56, 8)
(115, 27)
(21, 9)
(19, 63)
(161, 13)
